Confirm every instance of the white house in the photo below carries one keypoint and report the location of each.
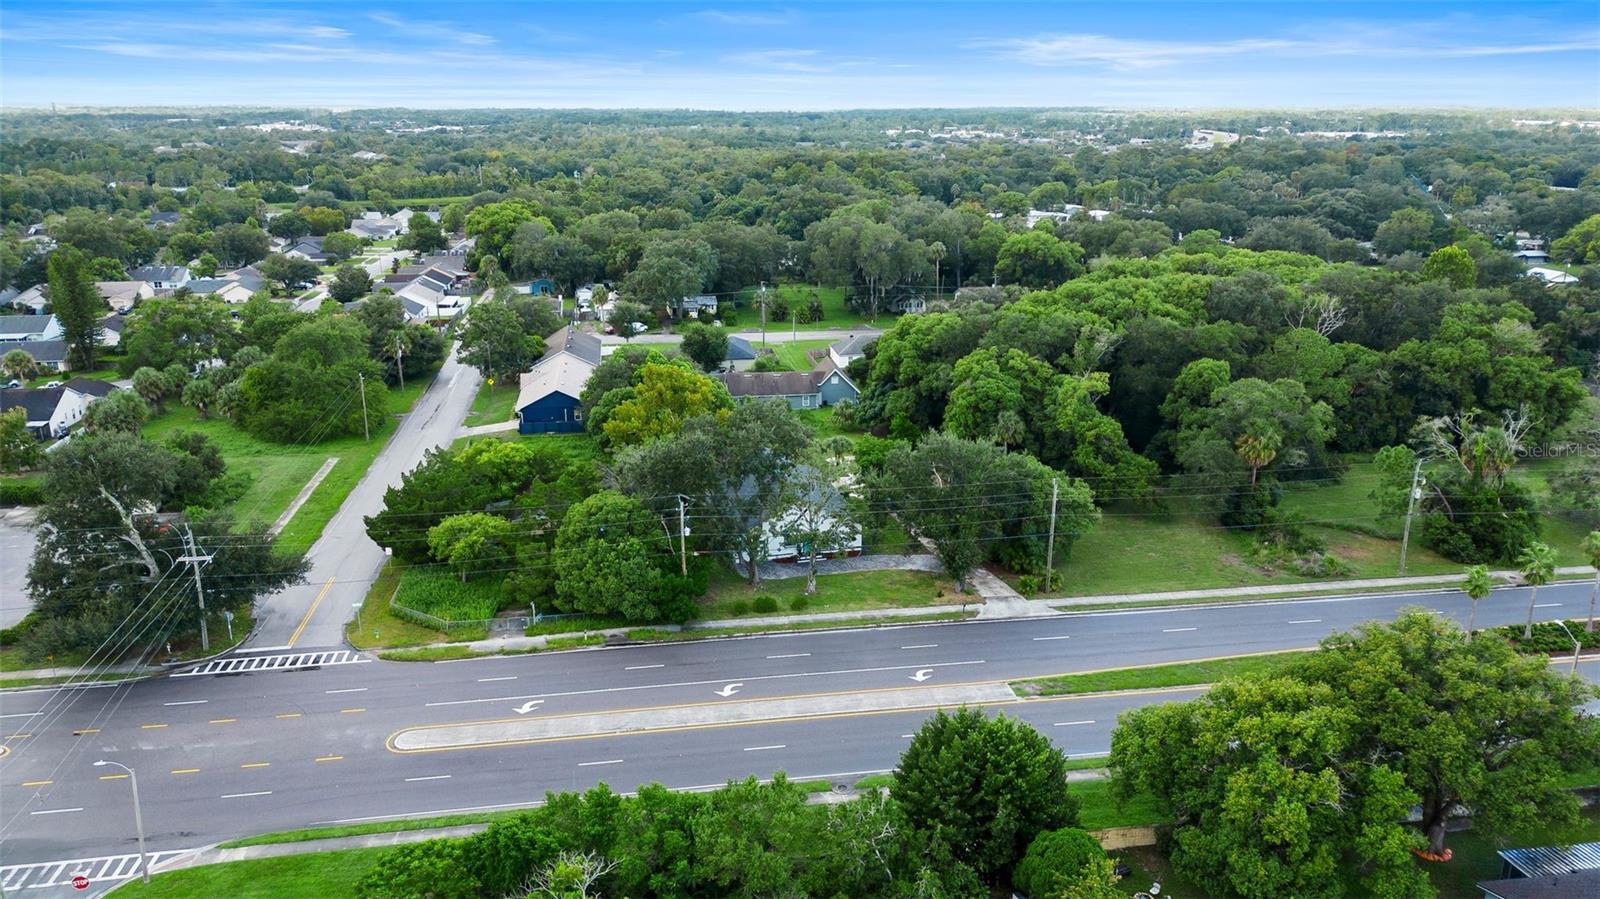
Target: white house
(845, 351)
(122, 296)
(779, 549)
(20, 328)
(1551, 276)
(51, 411)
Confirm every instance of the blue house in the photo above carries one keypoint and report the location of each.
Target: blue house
(549, 401)
(822, 386)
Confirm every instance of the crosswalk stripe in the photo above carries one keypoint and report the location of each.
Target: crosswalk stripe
(294, 661)
(39, 875)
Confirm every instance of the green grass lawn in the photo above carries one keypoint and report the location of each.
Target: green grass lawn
(280, 470)
(1153, 676)
(1474, 857)
(731, 597)
(835, 314)
(381, 628)
(793, 354)
(492, 405)
(821, 423)
(109, 373)
(288, 877)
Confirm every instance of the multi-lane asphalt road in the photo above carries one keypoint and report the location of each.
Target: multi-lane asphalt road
(225, 756)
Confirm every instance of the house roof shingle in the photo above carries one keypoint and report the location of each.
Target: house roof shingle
(564, 373)
(854, 345)
(769, 383)
(40, 402)
(159, 273)
(1578, 885)
(46, 351)
(91, 387)
(739, 349)
(15, 326)
(568, 340)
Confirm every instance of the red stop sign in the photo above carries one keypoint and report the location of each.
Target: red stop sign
(79, 882)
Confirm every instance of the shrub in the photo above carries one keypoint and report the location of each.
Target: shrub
(432, 869)
(764, 605)
(443, 595)
(1055, 861)
(739, 608)
(21, 491)
(1029, 584)
(502, 857)
(799, 603)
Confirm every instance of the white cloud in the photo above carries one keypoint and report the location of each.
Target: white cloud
(749, 19)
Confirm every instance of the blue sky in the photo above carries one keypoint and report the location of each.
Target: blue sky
(802, 55)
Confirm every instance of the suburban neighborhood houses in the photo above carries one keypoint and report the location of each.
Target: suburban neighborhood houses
(838, 450)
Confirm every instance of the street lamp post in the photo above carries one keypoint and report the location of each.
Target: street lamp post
(1577, 645)
(138, 816)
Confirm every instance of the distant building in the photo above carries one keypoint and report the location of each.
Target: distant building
(549, 400)
(741, 355)
(845, 351)
(1532, 256)
(1551, 276)
(822, 386)
(52, 411)
(122, 296)
(571, 342)
(20, 328)
(161, 277)
(309, 249)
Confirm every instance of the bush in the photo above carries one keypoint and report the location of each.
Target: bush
(1548, 637)
(443, 595)
(21, 491)
(764, 605)
(1029, 584)
(1056, 860)
(15, 633)
(739, 608)
(504, 856)
(432, 869)
(799, 603)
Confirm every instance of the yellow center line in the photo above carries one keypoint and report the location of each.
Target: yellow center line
(113, 777)
(185, 770)
(350, 711)
(223, 721)
(86, 730)
(19, 736)
(255, 764)
(330, 758)
(288, 715)
(37, 783)
(151, 726)
(311, 611)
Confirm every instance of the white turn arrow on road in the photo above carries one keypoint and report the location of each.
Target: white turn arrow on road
(529, 706)
(730, 689)
(922, 674)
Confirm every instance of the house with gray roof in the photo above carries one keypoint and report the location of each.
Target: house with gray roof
(822, 386)
(849, 349)
(35, 299)
(741, 354)
(162, 277)
(572, 342)
(309, 249)
(51, 355)
(52, 411)
(122, 296)
(20, 328)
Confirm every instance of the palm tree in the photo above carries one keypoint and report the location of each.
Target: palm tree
(1477, 586)
(1538, 564)
(1257, 451)
(936, 252)
(1591, 551)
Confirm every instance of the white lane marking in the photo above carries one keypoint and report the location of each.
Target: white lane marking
(1177, 630)
(605, 762)
(346, 690)
(1071, 723)
(471, 701)
(1087, 755)
(23, 715)
(921, 646)
(56, 811)
(1545, 605)
(490, 680)
(1306, 621)
(764, 748)
(246, 795)
(412, 780)
(701, 683)
(642, 667)
(188, 702)
(906, 736)
(1060, 637)
(790, 655)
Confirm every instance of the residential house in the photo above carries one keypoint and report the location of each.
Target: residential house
(377, 228)
(35, 299)
(51, 355)
(122, 296)
(51, 411)
(549, 399)
(908, 303)
(111, 329)
(226, 289)
(249, 276)
(1532, 256)
(1547, 872)
(162, 219)
(20, 328)
(1551, 276)
(309, 249)
(822, 386)
(690, 307)
(741, 355)
(162, 277)
(779, 549)
(431, 295)
(849, 349)
(569, 341)
(1067, 211)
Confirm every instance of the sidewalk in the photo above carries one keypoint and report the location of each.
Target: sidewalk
(509, 424)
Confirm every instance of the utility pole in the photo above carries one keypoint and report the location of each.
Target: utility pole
(399, 361)
(763, 302)
(194, 559)
(1411, 508)
(683, 543)
(1050, 548)
(138, 815)
(366, 427)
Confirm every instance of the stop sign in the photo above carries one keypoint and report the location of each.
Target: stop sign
(79, 882)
